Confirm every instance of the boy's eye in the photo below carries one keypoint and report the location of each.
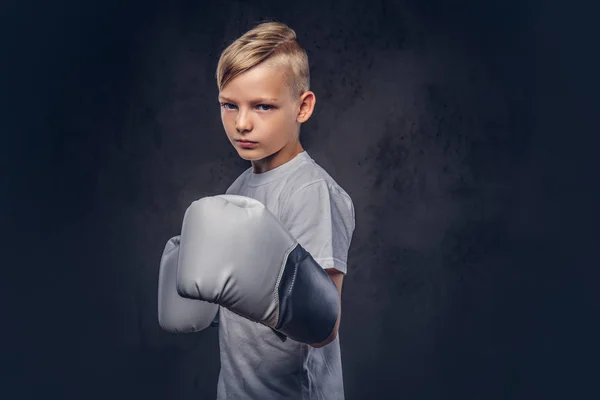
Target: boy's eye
(226, 105)
(230, 106)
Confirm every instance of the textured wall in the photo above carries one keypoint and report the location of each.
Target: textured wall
(439, 120)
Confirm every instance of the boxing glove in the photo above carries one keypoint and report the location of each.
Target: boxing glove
(178, 314)
(235, 253)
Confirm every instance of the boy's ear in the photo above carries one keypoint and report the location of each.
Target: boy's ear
(307, 106)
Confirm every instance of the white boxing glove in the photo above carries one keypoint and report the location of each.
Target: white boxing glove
(235, 253)
(178, 314)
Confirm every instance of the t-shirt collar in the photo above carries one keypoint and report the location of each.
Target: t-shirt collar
(278, 172)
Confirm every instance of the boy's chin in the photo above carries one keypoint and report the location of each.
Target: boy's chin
(251, 155)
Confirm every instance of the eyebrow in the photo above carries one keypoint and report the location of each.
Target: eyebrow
(258, 100)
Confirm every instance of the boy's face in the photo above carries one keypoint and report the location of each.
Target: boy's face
(257, 107)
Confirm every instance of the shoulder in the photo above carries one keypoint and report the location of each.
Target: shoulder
(319, 213)
(310, 176)
(310, 189)
(234, 188)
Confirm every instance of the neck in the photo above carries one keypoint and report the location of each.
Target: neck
(277, 159)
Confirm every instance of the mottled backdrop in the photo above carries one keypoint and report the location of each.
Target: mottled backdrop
(454, 126)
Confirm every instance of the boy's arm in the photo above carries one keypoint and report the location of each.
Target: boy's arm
(322, 220)
(337, 277)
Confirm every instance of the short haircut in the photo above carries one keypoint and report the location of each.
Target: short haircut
(274, 43)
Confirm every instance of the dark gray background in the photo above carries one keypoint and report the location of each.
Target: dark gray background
(463, 131)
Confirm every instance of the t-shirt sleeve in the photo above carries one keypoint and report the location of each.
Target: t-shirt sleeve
(321, 218)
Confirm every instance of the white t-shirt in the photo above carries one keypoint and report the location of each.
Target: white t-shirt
(255, 363)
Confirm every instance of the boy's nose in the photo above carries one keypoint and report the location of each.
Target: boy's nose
(243, 122)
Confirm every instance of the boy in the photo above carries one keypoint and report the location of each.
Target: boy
(263, 80)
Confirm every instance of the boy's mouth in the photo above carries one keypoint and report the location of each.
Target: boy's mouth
(246, 143)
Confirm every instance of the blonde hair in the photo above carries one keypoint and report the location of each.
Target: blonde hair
(271, 42)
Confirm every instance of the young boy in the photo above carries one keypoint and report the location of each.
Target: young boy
(263, 79)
